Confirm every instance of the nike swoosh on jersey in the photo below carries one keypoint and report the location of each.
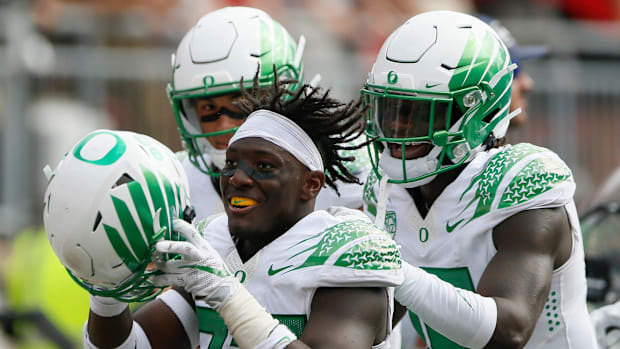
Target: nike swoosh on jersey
(272, 271)
(432, 85)
(450, 228)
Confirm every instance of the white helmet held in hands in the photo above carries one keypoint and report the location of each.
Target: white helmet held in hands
(109, 200)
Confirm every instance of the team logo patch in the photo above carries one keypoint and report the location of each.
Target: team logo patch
(390, 223)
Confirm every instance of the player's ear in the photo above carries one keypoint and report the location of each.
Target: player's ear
(313, 181)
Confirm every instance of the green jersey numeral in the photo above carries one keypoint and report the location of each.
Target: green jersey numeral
(210, 322)
(458, 277)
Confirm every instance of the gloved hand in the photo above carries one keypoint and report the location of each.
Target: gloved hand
(200, 270)
(606, 321)
(203, 273)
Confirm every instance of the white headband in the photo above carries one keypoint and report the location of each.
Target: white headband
(282, 132)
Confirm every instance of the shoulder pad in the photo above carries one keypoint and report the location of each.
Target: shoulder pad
(538, 176)
(361, 159)
(539, 170)
(367, 247)
(203, 223)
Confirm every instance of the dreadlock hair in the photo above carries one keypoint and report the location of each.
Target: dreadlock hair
(329, 123)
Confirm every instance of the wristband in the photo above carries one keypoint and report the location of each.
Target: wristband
(246, 319)
(106, 306)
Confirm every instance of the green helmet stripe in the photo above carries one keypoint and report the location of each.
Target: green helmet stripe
(489, 48)
(157, 197)
(266, 48)
(138, 245)
(121, 249)
(470, 69)
(278, 50)
(170, 197)
(142, 206)
(277, 47)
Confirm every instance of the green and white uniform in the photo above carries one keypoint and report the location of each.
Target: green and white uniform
(455, 240)
(336, 248)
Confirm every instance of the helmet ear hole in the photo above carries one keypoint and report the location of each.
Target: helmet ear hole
(487, 119)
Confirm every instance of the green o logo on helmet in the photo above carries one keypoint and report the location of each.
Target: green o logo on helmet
(208, 81)
(392, 77)
(110, 157)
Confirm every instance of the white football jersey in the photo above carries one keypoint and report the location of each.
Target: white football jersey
(455, 241)
(335, 248)
(207, 202)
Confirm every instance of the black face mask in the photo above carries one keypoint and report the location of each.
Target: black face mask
(237, 115)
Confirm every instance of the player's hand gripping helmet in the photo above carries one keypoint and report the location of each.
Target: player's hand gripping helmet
(443, 78)
(223, 47)
(109, 200)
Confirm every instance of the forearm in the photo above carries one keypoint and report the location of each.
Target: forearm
(170, 322)
(464, 317)
(109, 322)
(251, 325)
(399, 312)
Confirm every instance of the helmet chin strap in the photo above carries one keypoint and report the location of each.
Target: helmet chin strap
(389, 165)
(392, 167)
(384, 190)
(217, 156)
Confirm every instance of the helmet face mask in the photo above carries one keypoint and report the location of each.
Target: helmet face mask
(451, 89)
(112, 197)
(224, 51)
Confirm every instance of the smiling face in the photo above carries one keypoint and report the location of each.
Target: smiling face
(265, 190)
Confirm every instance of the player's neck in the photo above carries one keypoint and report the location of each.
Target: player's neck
(248, 247)
(424, 196)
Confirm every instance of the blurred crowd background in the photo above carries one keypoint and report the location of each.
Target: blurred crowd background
(70, 66)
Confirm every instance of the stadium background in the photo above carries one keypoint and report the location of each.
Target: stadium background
(70, 66)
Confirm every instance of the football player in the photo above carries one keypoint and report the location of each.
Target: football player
(490, 233)
(224, 47)
(326, 275)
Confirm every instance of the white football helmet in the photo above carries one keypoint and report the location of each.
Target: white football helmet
(109, 200)
(224, 47)
(443, 78)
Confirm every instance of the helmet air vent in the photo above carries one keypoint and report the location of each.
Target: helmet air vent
(49, 197)
(401, 50)
(222, 34)
(124, 179)
(97, 221)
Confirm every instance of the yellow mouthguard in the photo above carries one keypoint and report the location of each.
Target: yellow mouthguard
(237, 201)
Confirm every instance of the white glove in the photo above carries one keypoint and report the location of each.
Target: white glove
(201, 270)
(606, 321)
